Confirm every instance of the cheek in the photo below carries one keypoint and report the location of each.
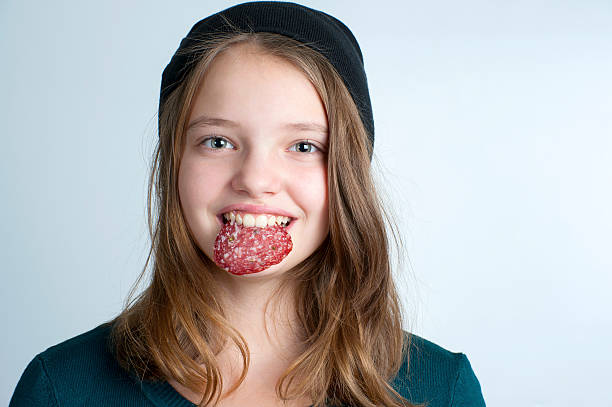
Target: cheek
(310, 192)
(188, 185)
(197, 186)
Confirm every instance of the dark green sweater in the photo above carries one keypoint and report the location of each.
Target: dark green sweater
(83, 372)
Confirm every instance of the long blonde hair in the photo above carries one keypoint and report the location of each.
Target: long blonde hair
(346, 301)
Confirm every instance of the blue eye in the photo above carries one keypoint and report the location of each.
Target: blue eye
(305, 147)
(216, 143)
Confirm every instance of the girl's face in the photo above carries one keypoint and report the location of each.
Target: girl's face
(256, 143)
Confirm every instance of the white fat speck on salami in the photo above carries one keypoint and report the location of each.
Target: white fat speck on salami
(265, 247)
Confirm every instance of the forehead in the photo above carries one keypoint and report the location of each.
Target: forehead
(248, 86)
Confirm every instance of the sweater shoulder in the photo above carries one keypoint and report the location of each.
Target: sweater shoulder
(83, 371)
(88, 354)
(435, 376)
(91, 343)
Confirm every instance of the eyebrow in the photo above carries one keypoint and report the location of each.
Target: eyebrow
(307, 126)
(211, 121)
(217, 121)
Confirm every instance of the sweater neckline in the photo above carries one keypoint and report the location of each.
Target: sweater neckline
(162, 394)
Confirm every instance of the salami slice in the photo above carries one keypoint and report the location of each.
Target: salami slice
(245, 250)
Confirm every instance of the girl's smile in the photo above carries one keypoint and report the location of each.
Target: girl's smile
(237, 212)
(255, 148)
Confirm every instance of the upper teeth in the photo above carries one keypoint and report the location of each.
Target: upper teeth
(258, 220)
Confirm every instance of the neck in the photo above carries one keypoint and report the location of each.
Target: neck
(263, 311)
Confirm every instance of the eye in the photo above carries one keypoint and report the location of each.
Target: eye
(216, 143)
(304, 147)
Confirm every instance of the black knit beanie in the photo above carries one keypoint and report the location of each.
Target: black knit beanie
(320, 31)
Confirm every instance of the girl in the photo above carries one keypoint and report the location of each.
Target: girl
(271, 281)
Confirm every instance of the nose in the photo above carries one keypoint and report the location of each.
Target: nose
(257, 174)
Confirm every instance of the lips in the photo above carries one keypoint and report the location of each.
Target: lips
(248, 208)
(255, 216)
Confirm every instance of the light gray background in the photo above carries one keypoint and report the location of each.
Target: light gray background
(494, 135)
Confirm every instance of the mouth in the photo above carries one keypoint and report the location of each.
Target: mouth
(259, 220)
